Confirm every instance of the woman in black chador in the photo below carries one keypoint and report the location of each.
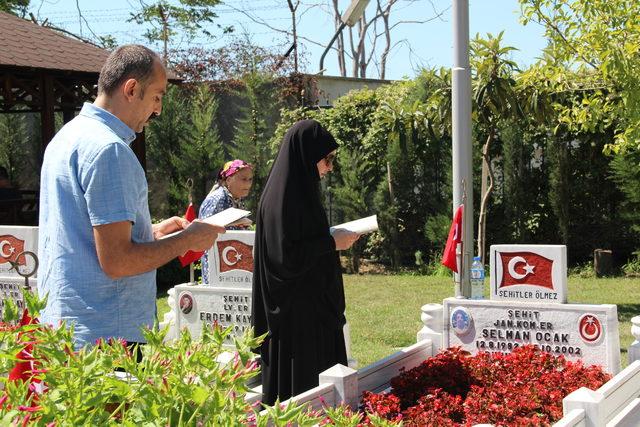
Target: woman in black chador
(298, 296)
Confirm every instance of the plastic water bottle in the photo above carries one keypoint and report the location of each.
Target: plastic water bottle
(477, 279)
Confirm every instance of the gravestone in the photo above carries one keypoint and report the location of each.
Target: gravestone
(14, 241)
(226, 299)
(231, 260)
(11, 288)
(528, 306)
(199, 306)
(528, 273)
(586, 332)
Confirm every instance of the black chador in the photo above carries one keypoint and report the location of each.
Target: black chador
(298, 296)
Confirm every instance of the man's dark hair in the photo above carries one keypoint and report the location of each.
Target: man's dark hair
(130, 61)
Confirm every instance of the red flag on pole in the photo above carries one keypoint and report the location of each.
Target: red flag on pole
(190, 256)
(455, 236)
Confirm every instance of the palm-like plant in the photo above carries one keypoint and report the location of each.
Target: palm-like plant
(494, 99)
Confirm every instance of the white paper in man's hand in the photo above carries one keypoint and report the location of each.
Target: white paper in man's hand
(360, 226)
(228, 217)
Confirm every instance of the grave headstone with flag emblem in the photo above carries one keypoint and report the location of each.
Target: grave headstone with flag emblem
(14, 241)
(231, 260)
(529, 273)
(528, 306)
(226, 299)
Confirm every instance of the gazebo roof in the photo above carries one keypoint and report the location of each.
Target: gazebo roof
(26, 44)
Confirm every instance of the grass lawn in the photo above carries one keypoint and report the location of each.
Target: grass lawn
(384, 310)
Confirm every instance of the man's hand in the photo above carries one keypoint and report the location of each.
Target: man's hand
(200, 235)
(169, 226)
(344, 239)
(119, 256)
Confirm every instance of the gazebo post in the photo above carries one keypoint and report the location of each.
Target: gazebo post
(47, 115)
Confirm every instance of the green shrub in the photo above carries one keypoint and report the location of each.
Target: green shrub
(632, 267)
(179, 383)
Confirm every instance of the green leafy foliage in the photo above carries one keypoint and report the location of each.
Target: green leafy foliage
(250, 141)
(184, 144)
(167, 18)
(178, 383)
(16, 7)
(599, 39)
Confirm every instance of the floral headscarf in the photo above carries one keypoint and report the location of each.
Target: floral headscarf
(232, 167)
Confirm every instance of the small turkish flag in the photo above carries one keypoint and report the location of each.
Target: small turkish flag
(525, 268)
(235, 255)
(190, 256)
(455, 236)
(10, 248)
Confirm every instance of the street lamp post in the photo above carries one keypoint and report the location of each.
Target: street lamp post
(350, 17)
(461, 139)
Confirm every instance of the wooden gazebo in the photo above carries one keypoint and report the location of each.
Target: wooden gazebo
(43, 71)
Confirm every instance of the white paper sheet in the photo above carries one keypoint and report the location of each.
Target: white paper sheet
(226, 218)
(360, 226)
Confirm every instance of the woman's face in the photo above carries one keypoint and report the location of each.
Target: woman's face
(240, 182)
(325, 165)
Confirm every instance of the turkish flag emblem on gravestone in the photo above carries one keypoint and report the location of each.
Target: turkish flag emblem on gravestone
(10, 248)
(235, 255)
(526, 268)
(590, 328)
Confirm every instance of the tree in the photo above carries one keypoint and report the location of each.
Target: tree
(600, 39)
(201, 154)
(16, 7)
(494, 98)
(241, 56)
(355, 176)
(251, 142)
(166, 18)
(164, 137)
(13, 150)
(626, 174)
(183, 144)
(361, 45)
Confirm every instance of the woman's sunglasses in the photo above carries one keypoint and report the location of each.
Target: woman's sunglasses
(329, 159)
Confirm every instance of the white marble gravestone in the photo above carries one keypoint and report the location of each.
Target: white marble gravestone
(586, 332)
(226, 299)
(198, 306)
(231, 260)
(13, 241)
(11, 288)
(529, 273)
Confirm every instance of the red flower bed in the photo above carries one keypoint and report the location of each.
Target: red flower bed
(523, 388)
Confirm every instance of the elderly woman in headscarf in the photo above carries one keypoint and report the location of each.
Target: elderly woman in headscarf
(233, 184)
(298, 296)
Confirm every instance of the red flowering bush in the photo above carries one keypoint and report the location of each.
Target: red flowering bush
(522, 388)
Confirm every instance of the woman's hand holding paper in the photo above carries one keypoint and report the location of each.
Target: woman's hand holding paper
(344, 239)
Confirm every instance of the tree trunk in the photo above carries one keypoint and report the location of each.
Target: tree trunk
(387, 36)
(165, 34)
(486, 194)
